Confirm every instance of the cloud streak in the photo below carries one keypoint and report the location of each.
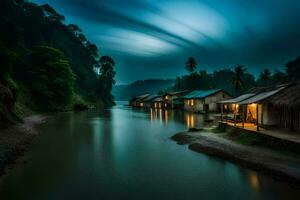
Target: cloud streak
(155, 37)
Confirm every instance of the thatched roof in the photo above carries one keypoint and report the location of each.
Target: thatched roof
(178, 93)
(150, 98)
(237, 99)
(200, 94)
(261, 89)
(289, 97)
(262, 96)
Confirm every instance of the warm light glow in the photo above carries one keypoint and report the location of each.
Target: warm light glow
(188, 102)
(253, 104)
(167, 97)
(141, 104)
(192, 102)
(166, 105)
(160, 116)
(155, 105)
(166, 116)
(254, 182)
(190, 121)
(151, 114)
(235, 108)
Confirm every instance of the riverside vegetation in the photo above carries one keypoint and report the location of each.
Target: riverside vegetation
(47, 65)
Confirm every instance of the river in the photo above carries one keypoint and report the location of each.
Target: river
(127, 154)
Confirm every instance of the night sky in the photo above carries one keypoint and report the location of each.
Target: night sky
(154, 38)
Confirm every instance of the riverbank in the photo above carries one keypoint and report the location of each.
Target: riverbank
(275, 163)
(15, 139)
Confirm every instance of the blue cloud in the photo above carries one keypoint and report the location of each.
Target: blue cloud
(155, 37)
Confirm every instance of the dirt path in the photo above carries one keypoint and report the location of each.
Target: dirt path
(15, 139)
(261, 159)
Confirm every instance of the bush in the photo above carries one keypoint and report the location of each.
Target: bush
(79, 104)
(52, 82)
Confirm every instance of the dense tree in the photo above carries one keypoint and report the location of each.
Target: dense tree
(27, 26)
(52, 78)
(7, 58)
(52, 14)
(237, 79)
(106, 78)
(191, 65)
(74, 29)
(178, 84)
(293, 69)
(82, 38)
(205, 80)
(93, 49)
(265, 78)
(279, 77)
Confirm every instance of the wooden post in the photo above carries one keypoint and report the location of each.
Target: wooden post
(243, 117)
(262, 115)
(257, 125)
(222, 105)
(234, 116)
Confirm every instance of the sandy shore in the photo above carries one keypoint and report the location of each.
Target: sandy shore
(15, 139)
(261, 159)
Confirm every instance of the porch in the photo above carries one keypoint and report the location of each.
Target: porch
(281, 134)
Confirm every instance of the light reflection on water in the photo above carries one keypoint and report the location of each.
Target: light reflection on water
(127, 154)
(254, 180)
(191, 120)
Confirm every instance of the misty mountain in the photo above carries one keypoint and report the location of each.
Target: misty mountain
(151, 86)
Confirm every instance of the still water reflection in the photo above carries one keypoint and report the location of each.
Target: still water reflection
(191, 120)
(127, 154)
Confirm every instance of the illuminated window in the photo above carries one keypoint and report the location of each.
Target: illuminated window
(192, 102)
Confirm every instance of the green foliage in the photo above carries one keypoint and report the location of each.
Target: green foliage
(52, 78)
(237, 80)
(293, 69)
(191, 65)
(7, 57)
(52, 14)
(79, 104)
(224, 79)
(45, 73)
(267, 78)
(106, 79)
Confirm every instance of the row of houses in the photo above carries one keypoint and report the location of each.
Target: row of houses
(195, 101)
(261, 108)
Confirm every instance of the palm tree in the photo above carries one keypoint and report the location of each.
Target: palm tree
(265, 75)
(191, 65)
(264, 78)
(237, 80)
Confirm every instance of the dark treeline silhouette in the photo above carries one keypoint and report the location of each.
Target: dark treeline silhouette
(151, 86)
(46, 64)
(234, 81)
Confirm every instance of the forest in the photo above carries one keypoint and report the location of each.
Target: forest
(47, 65)
(236, 80)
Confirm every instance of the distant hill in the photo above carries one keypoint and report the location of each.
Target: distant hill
(151, 86)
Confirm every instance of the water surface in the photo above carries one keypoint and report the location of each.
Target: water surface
(127, 154)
